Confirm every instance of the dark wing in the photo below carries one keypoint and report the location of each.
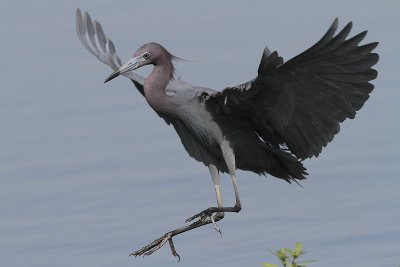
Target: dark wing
(92, 37)
(299, 104)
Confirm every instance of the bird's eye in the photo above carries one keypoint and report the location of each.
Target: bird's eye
(146, 55)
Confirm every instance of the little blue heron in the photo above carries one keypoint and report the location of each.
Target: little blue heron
(268, 125)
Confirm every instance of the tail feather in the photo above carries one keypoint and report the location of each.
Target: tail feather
(284, 165)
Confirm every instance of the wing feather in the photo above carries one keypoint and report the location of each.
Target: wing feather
(299, 104)
(92, 36)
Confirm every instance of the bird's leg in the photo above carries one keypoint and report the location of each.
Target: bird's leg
(209, 215)
(220, 210)
(206, 216)
(158, 243)
(229, 158)
(238, 205)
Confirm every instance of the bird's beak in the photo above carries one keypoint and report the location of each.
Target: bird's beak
(132, 64)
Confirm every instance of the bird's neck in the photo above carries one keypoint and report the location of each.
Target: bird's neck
(154, 89)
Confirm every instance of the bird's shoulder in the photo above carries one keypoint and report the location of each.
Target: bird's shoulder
(183, 90)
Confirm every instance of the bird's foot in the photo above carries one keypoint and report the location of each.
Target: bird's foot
(156, 245)
(208, 215)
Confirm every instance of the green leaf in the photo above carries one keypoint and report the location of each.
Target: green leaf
(288, 257)
(288, 251)
(282, 254)
(269, 265)
(298, 250)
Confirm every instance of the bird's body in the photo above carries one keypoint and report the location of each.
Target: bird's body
(206, 130)
(205, 133)
(269, 125)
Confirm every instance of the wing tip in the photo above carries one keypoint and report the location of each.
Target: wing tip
(334, 25)
(266, 51)
(373, 74)
(374, 45)
(363, 34)
(269, 61)
(78, 19)
(348, 26)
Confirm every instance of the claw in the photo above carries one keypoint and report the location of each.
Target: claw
(216, 227)
(156, 245)
(201, 215)
(205, 217)
(173, 251)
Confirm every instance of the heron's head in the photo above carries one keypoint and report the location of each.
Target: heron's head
(150, 53)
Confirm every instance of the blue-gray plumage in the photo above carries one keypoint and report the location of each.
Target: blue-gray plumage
(287, 113)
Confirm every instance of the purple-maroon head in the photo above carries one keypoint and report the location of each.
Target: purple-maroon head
(150, 53)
